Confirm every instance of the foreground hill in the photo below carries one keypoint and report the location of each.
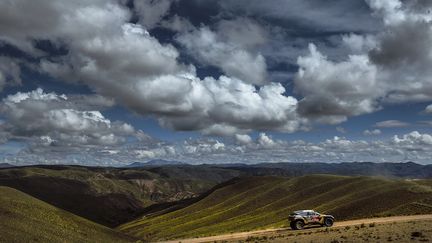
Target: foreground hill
(261, 202)
(414, 228)
(111, 196)
(27, 219)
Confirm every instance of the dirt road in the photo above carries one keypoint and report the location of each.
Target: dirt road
(243, 235)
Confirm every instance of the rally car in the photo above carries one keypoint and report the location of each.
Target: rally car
(300, 219)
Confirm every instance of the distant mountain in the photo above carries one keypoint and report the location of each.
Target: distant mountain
(6, 165)
(156, 162)
(402, 170)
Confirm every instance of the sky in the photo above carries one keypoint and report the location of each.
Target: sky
(111, 82)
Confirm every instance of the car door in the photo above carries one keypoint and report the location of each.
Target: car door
(315, 217)
(309, 217)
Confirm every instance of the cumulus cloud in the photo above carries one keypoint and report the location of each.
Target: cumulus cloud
(391, 66)
(391, 124)
(412, 146)
(51, 119)
(123, 61)
(428, 109)
(334, 91)
(413, 140)
(154, 82)
(78, 19)
(178, 24)
(307, 14)
(124, 64)
(373, 132)
(157, 84)
(232, 48)
(265, 141)
(151, 12)
(403, 51)
(10, 72)
(243, 139)
(359, 43)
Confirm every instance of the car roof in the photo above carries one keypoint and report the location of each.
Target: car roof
(304, 211)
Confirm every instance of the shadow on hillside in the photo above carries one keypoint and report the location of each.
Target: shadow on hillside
(168, 207)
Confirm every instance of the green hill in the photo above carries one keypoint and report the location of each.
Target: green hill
(263, 202)
(27, 219)
(111, 196)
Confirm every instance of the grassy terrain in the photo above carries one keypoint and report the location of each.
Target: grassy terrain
(414, 231)
(263, 202)
(111, 196)
(27, 219)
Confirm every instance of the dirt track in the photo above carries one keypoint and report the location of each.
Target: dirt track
(243, 235)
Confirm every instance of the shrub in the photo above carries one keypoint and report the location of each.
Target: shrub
(416, 234)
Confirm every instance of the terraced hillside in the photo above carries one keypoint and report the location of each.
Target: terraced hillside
(111, 196)
(263, 202)
(27, 219)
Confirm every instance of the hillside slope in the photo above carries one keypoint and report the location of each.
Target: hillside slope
(111, 196)
(27, 219)
(262, 202)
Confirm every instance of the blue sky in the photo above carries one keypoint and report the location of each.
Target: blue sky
(215, 81)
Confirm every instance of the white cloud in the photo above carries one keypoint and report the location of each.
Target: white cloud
(391, 66)
(77, 19)
(151, 12)
(126, 63)
(242, 32)
(359, 43)
(178, 24)
(334, 91)
(10, 72)
(202, 147)
(53, 119)
(428, 109)
(373, 132)
(243, 139)
(265, 141)
(220, 130)
(341, 130)
(390, 10)
(232, 47)
(413, 139)
(413, 146)
(391, 124)
(307, 14)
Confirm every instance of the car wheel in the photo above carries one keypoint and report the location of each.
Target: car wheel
(299, 225)
(328, 222)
